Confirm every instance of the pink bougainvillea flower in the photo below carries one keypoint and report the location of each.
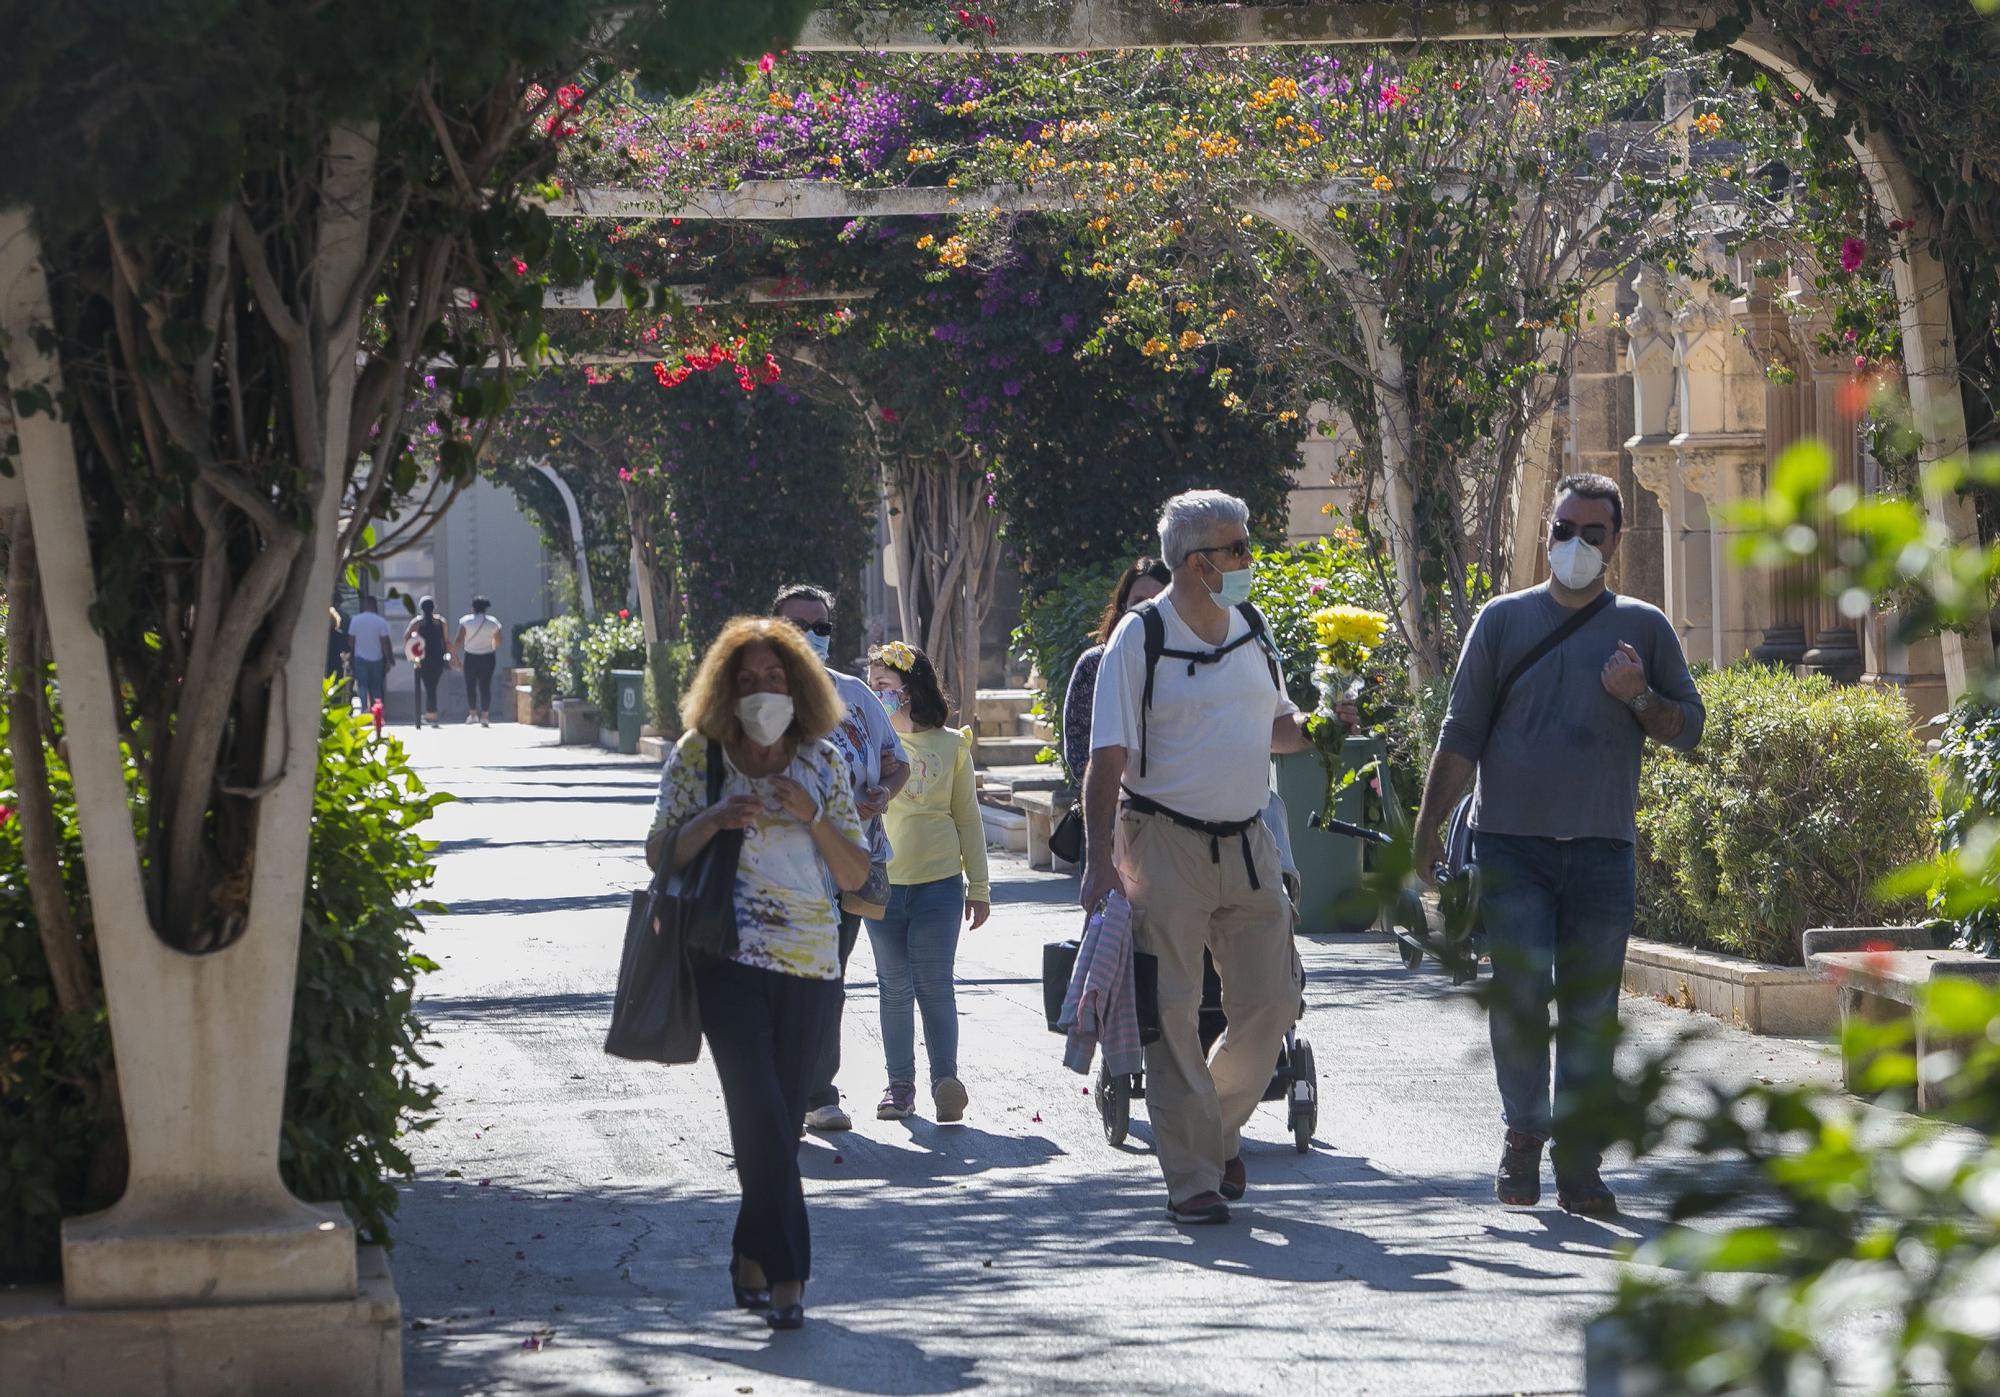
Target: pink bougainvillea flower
(1853, 252)
(520, 267)
(6, 816)
(765, 63)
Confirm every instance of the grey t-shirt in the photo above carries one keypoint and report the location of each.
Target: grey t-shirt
(1561, 760)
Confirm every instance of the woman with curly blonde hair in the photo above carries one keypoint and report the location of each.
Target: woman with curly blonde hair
(761, 706)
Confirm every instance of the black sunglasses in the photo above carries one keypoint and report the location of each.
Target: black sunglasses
(1239, 549)
(1563, 530)
(816, 627)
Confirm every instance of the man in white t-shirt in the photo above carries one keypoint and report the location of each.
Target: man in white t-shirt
(1178, 779)
(373, 652)
(879, 767)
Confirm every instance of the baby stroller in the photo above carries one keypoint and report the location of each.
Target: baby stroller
(1294, 1081)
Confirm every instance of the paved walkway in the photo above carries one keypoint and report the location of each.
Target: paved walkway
(569, 1223)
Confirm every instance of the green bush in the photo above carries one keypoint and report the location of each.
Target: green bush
(1969, 794)
(351, 1090)
(555, 649)
(616, 640)
(668, 670)
(1800, 797)
(1056, 627)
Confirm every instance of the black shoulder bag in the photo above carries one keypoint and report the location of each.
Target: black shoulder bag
(1458, 830)
(654, 1014)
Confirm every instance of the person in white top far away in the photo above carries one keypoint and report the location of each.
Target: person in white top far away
(478, 646)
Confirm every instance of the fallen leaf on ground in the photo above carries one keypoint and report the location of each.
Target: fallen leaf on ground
(539, 1340)
(1038, 1117)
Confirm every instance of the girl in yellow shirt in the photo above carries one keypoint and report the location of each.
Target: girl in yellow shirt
(937, 877)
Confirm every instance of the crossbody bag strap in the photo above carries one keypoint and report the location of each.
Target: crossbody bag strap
(1570, 625)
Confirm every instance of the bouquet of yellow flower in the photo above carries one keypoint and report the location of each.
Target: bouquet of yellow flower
(1344, 638)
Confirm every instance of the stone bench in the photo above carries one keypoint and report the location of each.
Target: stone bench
(1040, 808)
(1879, 971)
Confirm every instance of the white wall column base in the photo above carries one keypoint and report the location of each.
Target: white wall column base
(312, 1348)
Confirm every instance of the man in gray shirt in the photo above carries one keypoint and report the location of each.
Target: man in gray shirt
(1553, 828)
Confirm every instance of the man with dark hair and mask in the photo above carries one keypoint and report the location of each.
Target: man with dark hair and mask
(1557, 690)
(879, 767)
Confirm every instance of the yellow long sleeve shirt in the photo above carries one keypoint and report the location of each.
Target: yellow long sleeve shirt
(933, 823)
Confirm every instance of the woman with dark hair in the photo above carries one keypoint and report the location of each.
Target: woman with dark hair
(937, 875)
(761, 705)
(479, 650)
(425, 643)
(1145, 579)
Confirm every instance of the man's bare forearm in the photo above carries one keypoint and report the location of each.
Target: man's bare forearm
(1664, 720)
(1444, 783)
(1101, 782)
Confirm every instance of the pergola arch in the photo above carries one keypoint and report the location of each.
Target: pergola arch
(1930, 350)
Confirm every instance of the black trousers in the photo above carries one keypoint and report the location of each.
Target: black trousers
(479, 682)
(763, 1029)
(428, 675)
(827, 1064)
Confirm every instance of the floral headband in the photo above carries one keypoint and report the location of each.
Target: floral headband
(897, 656)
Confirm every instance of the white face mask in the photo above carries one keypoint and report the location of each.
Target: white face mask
(765, 717)
(1575, 563)
(822, 645)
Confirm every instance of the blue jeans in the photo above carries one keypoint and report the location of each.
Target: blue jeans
(1557, 914)
(915, 943)
(368, 675)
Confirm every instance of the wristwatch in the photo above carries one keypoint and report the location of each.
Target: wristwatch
(1642, 702)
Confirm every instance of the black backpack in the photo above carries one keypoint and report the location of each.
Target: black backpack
(1156, 650)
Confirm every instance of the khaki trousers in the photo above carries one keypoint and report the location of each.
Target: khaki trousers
(1187, 898)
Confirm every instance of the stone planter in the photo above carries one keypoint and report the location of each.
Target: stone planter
(526, 709)
(1787, 1000)
(576, 722)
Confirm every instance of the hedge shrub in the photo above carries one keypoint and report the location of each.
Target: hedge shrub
(616, 640)
(555, 650)
(352, 1088)
(1800, 797)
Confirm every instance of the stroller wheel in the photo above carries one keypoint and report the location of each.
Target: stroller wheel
(1303, 1116)
(1411, 953)
(1114, 1105)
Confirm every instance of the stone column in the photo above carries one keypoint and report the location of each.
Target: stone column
(1721, 453)
(1788, 404)
(1836, 639)
(1650, 354)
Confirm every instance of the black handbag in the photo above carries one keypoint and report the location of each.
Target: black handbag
(1059, 963)
(655, 1016)
(1066, 839)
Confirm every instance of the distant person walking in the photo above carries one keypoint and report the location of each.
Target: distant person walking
(478, 643)
(937, 878)
(431, 654)
(337, 644)
(762, 706)
(374, 650)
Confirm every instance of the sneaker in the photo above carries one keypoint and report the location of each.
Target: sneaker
(1519, 1182)
(1234, 1179)
(1582, 1191)
(899, 1100)
(484, 724)
(1201, 1209)
(828, 1118)
(471, 718)
(949, 1094)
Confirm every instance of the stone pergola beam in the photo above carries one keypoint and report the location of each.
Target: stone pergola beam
(775, 292)
(756, 201)
(1101, 25)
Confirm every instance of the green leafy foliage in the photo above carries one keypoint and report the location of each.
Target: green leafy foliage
(555, 650)
(669, 667)
(1968, 804)
(1057, 626)
(616, 641)
(352, 1089)
(1801, 797)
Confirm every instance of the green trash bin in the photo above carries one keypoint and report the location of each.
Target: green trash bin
(630, 688)
(1330, 865)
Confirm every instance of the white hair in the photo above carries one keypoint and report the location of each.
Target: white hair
(1193, 517)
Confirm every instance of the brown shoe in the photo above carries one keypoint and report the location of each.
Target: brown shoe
(1519, 1182)
(1200, 1209)
(1234, 1180)
(1584, 1194)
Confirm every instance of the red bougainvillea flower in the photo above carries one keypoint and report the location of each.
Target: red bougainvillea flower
(1853, 252)
(6, 816)
(520, 267)
(623, 614)
(888, 414)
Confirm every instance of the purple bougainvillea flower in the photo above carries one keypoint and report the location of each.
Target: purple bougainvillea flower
(1853, 252)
